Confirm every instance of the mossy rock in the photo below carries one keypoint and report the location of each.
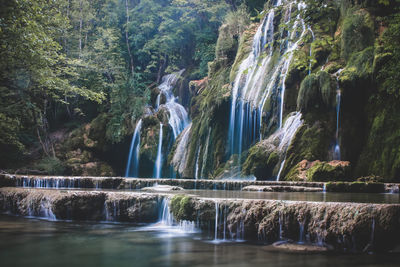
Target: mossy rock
(260, 162)
(355, 187)
(182, 207)
(317, 91)
(329, 171)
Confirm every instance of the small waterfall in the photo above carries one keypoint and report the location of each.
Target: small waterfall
(313, 38)
(280, 170)
(178, 118)
(286, 135)
(169, 225)
(280, 219)
(132, 167)
(336, 154)
(46, 210)
(196, 170)
(158, 163)
(301, 232)
(166, 217)
(205, 154)
(180, 157)
(216, 222)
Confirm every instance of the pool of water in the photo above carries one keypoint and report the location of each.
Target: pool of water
(34, 242)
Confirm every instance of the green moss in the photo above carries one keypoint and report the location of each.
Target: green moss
(310, 143)
(355, 187)
(316, 91)
(358, 32)
(260, 162)
(323, 171)
(309, 96)
(182, 207)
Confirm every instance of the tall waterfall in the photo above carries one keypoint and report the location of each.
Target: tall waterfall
(132, 166)
(336, 153)
(261, 78)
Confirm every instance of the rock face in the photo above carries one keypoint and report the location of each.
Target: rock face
(320, 171)
(80, 205)
(345, 226)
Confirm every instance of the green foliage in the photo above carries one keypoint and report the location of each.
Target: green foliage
(358, 32)
(323, 172)
(51, 166)
(388, 58)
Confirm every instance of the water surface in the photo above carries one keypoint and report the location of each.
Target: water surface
(34, 242)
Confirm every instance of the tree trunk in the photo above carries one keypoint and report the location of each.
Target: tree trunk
(127, 36)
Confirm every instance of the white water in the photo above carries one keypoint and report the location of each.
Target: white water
(336, 153)
(178, 117)
(257, 81)
(196, 170)
(280, 170)
(285, 136)
(180, 157)
(313, 38)
(132, 166)
(158, 163)
(205, 154)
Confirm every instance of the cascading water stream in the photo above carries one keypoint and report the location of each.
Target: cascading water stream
(158, 163)
(178, 118)
(336, 153)
(205, 154)
(313, 38)
(132, 166)
(286, 135)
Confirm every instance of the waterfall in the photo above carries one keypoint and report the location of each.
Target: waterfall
(178, 118)
(286, 135)
(158, 163)
(205, 154)
(169, 225)
(196, 170)
(313, 38)
(216, 222)
(280, 170)
(258, 81)
(248, 88)
(336, 153)
(180, 157)
(132, 168)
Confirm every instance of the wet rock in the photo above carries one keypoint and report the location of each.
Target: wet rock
(295, 247)
(282, 188)
(80, 205)
(162, 188)
(320, 171)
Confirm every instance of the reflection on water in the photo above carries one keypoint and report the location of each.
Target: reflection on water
(34, 242)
